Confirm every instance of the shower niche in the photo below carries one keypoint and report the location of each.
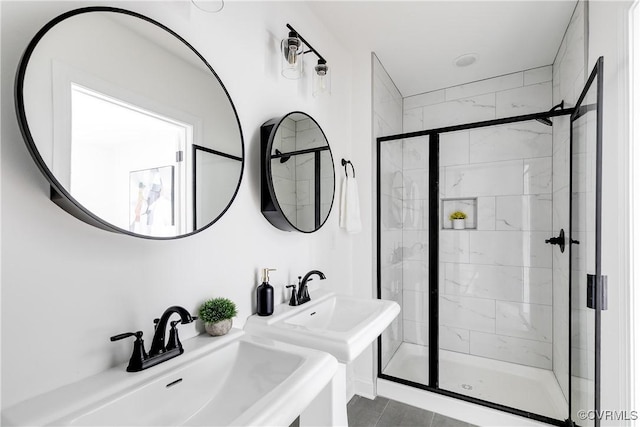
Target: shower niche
(468, 206)
(486, 315)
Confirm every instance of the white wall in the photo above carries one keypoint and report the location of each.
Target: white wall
(67, 287)
(608, 37)
(363, 245)
(634, 200)
(379, 114)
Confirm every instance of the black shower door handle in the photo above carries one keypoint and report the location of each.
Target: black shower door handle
(560, 240)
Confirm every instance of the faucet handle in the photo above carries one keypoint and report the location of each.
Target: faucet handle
(138, 336)
(174, 340)
(139, 355)
(294, 295)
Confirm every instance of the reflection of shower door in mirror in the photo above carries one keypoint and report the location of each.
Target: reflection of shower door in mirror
(588, 286)
(211, 166)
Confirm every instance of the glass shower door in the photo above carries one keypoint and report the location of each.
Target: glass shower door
(403, 256)
(587, 285)
(479, 308)
(496, 294)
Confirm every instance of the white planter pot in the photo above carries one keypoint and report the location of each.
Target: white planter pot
(458, 224)
(218, 328)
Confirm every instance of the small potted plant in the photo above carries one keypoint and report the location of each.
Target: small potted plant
(217, 315)
(458, 220)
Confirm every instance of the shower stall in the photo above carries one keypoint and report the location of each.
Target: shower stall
(484, 318)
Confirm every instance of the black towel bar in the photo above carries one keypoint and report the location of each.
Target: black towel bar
(344, 163)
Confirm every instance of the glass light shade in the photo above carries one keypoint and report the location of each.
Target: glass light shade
(292, 56)
(321, 79)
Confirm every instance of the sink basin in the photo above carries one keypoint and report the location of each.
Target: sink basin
(237, 379)
(341, 325)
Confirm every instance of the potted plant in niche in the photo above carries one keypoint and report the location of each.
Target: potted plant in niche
(458, 220)
(217, 315)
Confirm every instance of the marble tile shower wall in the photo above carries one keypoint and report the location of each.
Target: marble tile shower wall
(495, 277)
(284, 174)
(295, 178)
(414, 255)
(308, 136)
(569, 77)
(387, 120)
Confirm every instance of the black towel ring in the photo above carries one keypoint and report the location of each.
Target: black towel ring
(344, 163)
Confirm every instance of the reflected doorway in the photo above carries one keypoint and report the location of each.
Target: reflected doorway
(127, 163)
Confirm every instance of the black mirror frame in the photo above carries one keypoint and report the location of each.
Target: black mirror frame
(59, 194)
(269, 205)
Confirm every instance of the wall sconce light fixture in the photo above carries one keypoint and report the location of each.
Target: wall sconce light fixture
(293, 51)
(321, 78)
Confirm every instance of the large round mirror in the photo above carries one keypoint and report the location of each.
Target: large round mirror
(298, 179)
(130, 124)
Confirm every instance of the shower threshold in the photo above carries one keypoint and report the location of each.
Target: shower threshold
(521, 387)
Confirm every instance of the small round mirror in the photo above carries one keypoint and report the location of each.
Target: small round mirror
(133, 128)
(298, 179)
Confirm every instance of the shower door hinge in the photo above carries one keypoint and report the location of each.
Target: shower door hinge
(597, 291)
(179, 156)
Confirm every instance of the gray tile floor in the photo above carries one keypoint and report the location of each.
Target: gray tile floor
(383, 412)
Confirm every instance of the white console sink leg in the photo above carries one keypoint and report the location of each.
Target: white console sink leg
(329, 408)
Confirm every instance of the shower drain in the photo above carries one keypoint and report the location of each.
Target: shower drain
(467, 386)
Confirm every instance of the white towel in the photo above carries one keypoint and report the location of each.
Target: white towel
(350, 206)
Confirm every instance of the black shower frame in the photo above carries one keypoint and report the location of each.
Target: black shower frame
(434, 232)
(596, 76)
(194, 175)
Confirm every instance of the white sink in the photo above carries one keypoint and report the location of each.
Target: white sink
(341, 325)
(237, 379)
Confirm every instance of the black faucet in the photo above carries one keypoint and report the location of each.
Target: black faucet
(157, 345)
(159, 351)
(303, 291)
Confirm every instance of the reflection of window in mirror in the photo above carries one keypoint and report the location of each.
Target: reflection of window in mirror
(128, 163)
(121, 73)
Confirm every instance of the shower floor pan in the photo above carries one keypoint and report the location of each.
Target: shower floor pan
(518, 386)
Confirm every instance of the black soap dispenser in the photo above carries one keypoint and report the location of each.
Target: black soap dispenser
(265, 294)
